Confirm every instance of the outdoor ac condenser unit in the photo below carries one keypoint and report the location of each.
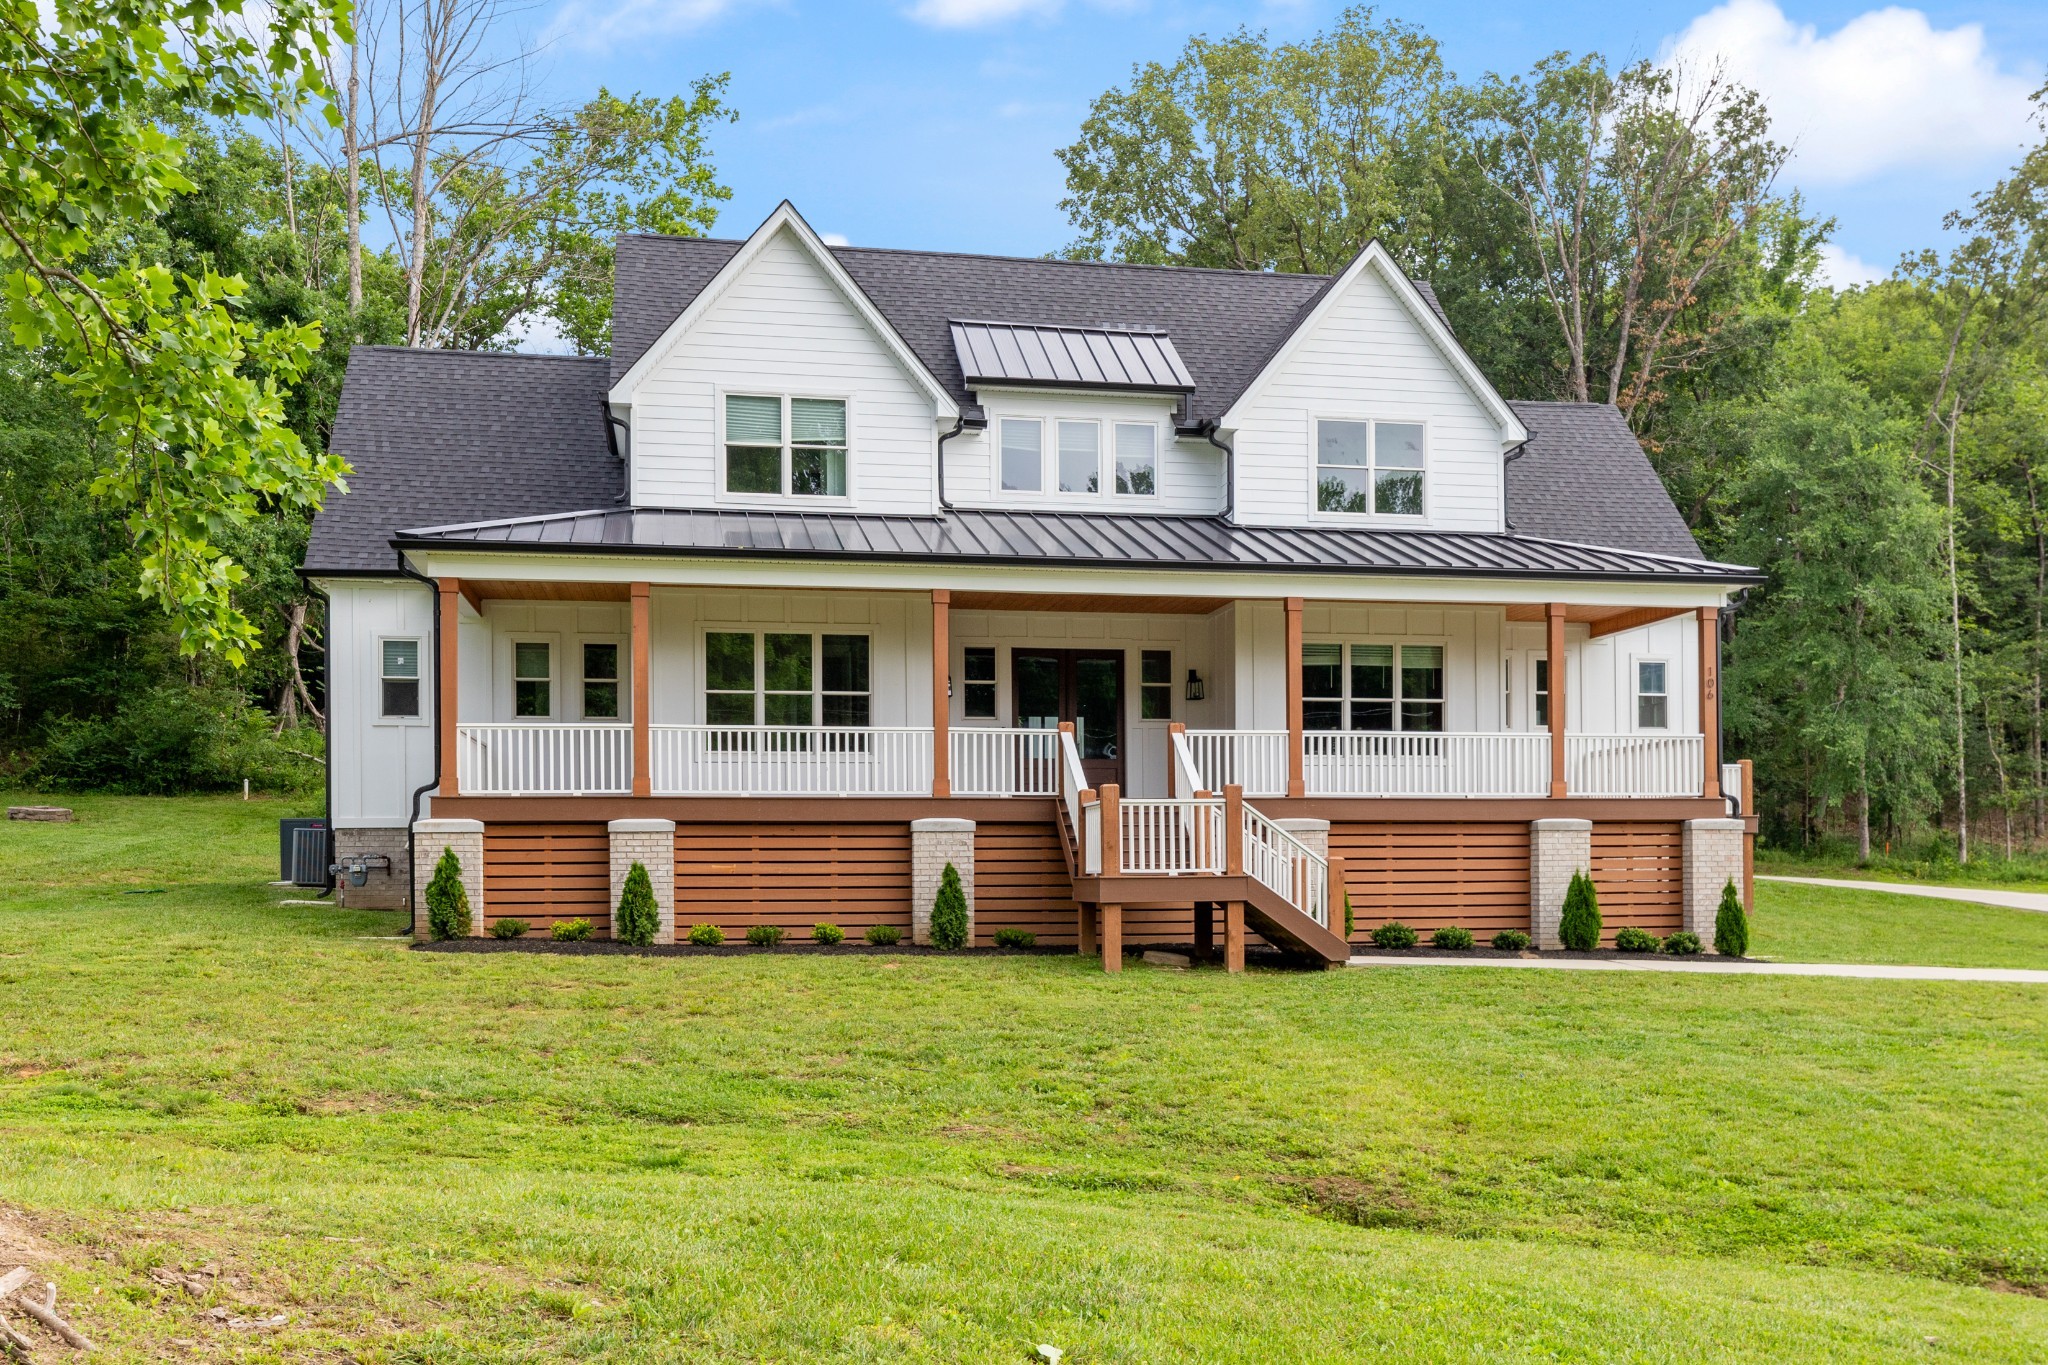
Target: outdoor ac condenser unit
(303, 852)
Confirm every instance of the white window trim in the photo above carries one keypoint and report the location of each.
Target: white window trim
(1345, 642)
(625, 678)
(701, 709)
(1315, 511)
(1173, 703)
(784, 500)
(512, 679)
(957, 703)
(1635, 696)
(1102, 457)
(995, 472)
(425, 716)
(1158, 462)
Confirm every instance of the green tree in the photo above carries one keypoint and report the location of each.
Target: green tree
(1578, 928)
(949, 911)
(448, 913)
(185, 394)
(1731, 925)
(638, 918)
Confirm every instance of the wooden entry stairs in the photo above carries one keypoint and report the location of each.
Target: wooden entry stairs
(1206, 849)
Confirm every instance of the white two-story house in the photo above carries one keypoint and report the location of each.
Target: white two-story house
(1144, 596)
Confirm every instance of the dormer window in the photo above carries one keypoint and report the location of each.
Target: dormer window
(1370, 468)
(777, 445)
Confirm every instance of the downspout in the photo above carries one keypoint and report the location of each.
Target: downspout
(959, 425)
(1209, 430)
(412, 876)
(612, 427)
(1505, 461)
(327, 687)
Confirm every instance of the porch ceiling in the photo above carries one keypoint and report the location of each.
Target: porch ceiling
(1080, 602)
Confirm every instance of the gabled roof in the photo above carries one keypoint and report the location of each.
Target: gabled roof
(787, 220)
(1066, 539)
(1069, 357)
(1225, 324)
(442, 436)
(1584, 477)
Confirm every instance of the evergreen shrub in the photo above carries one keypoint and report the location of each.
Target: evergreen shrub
(949, 911)
(1452, 936)
(638, 918)
(1579, 929)
(1394, 934)
(706, 935)
(509, 928)
(827, 934)
(447, 902)
(1731, 925)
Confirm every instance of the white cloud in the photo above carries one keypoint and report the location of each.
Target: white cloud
(598, 26)
(974, 13)
(834, 239)
(1840, 269)
(1885, 91)
(538, 334)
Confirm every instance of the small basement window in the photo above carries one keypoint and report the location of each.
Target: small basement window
(400, 678)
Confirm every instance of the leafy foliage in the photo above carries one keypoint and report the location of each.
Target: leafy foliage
(448, 913)
(577, 930)
(1684, 943)
(1451, 936)
(1014, 938)
(637, 919)
(1511, 941)
(509, 928)
(765, 935)
(1634, 940)
(1579, 926)
(1731, 925)
(884, 935)
(706, 935)
(949, 911)
(1394, 934)
(827, 934)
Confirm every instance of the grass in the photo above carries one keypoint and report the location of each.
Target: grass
(463, 1158)
(1934, 864)
(1798, 923)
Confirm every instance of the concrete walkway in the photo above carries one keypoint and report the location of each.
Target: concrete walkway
(1716, 966)
(2036, 901)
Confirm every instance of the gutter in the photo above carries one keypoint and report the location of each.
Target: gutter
(612, 427)
(959, 425)
(412, 861)
(327, 681)
(1209, 430)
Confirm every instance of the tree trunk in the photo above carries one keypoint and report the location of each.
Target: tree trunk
(352, 187)
(1955, 620)
(1863, 810)
(422, 154)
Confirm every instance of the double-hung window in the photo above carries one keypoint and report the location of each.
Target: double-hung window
(400, 676)
(1023, 455)
(1137, 459)
(786, 678)
(1080, 457)
(979, 662)
(777, 445)
(600, 681)
(1653, 695)
(1385, 688)
(1369, 467)
(533, 679)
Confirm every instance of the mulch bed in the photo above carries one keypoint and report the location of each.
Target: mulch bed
(607, 948)
(1538, 954)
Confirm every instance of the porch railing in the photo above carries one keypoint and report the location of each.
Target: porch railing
(536, 758)
(1286, 866)
(1731, 787)
(1005, 762)
(1170, 837)
(1372, 763)
(791, 760)
(1634, 765)
(1253, 759)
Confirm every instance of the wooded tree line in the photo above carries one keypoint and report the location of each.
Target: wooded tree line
(1595, 231)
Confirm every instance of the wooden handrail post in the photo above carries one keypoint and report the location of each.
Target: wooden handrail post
(1296, 783)
(1337, 894)
(1112, 916)
(643, 700)
(447, 689)
(1173, 727)
(1554, 651)
(942, 701)
(1233, 831)
(1112, 831)
(1233, 936)
(1710, 700)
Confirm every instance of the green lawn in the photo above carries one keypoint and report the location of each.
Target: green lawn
(1828, 924)
(440, 1158)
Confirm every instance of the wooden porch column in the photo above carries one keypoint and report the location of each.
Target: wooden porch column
(1555, 655)
(1084, 942)
(450, 590)
(1111, 795)
(1173, 727)
(1336, 898)
(1710, 699)
(1295, 785)
(1112, 937)
(1233, 830)
(1233, 936)
(942, 702)
(643, 701)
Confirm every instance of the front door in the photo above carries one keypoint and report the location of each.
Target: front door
(1085, 686)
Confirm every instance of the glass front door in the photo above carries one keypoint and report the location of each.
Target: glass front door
(1085, 686)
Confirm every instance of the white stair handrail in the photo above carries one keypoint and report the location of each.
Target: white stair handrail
(1286, 866)
(1187, 777)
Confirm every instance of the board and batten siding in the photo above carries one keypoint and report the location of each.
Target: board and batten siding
(1600, 675)
(783, 326)
(1367, 357)
(376, 762)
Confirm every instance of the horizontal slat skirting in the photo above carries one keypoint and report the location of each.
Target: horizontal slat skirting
(1429, 875)
(1020, 882)
(545, 874)
(793, 876)
(1639, 871)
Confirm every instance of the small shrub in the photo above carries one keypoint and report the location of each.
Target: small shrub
(1731, 926)
(1015, 938)
(1579, 927)
(827, 934)
(1511, 941)
(1350, 924)
(1634, 940)
(1393, 934)
(884, 935)
(1453, 937)
(509, 928)
(1682, 944)
(638, 918)
(571, 931)
(447, 902)
(706, 935)
(949, 911)
(764, 935)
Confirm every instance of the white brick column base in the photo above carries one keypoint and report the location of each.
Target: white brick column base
(651, 843)
(1557, 850)
(1713, 857)
(429, 839)
(933, 844)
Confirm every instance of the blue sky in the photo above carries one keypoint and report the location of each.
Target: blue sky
(933, 123)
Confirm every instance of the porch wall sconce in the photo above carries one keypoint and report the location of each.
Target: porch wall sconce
(1195, 689)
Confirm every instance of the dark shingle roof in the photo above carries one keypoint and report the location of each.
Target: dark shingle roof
(1224, 323)
(1583, 477)
(445, 436)
(1072, 539)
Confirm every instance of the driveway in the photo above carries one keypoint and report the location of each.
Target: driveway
(2037, 901)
